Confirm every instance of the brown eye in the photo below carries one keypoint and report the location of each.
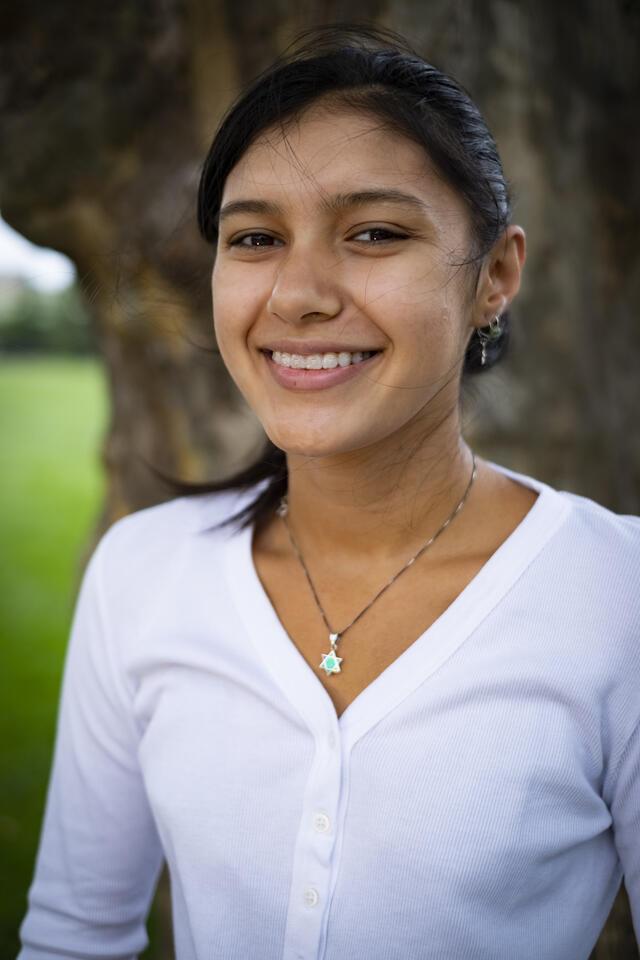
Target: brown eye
(261, 237)
(388, 235)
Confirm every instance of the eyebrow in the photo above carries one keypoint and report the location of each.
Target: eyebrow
(333, 204)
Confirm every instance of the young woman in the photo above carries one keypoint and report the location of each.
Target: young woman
(377, 697)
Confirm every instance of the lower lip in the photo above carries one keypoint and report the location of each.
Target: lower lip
(294, 379)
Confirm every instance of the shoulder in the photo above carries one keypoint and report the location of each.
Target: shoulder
(183, 515)
(588, 567)
(158, 536)
(600, 552)
(591, 577)
(595, 558)
(587, 527)
(586, 595)
(612, 538)
(161, 558)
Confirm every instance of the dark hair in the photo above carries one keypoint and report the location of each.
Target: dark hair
(374, 70)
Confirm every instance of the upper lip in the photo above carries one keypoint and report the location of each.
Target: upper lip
(309, 347)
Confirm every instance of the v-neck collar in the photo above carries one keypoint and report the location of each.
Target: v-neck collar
(439, 641)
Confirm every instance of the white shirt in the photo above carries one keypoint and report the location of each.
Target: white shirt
(480, 799)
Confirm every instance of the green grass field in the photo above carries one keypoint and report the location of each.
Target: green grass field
(53, 413)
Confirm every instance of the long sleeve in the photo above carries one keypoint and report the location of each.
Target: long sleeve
(99, 855)
(625, 810)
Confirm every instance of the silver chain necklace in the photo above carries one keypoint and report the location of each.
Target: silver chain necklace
(331, 661)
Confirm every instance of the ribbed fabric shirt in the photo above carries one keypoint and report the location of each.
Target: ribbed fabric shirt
(480, 800)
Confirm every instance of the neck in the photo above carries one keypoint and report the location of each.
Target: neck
(380, 502)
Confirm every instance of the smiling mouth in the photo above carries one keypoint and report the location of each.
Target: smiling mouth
(319, 361)
(318, 371)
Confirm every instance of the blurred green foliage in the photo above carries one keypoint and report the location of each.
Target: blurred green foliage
(35, 322)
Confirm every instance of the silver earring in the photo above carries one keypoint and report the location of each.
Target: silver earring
(487, 335)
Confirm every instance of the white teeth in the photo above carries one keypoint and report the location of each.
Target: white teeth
(319, 361)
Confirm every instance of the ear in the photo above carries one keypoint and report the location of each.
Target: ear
(499, 278)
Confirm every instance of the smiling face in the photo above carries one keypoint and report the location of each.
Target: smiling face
(303, 268)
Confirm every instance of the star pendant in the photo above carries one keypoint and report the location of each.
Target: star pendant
(331, 662)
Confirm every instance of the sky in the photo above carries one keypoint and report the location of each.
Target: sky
(46, 270)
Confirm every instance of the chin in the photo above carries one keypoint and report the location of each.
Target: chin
(315, 444)
(303, 447)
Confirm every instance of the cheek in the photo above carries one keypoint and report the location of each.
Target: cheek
(419, 282)
(233, 310)
(415, 308)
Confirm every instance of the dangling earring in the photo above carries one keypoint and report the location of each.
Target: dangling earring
(493, 332)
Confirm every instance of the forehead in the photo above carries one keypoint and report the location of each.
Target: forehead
(329, 150)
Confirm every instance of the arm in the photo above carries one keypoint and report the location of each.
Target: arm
(625, 810)
(99, 856)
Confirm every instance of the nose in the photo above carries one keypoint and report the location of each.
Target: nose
(305, 287)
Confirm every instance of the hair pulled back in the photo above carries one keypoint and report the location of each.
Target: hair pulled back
(374, 70)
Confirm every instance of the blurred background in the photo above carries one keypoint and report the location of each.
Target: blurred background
(107, 360)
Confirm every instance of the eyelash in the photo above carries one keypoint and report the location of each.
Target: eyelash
(392, 235)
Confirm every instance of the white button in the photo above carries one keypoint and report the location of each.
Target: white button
(321, 822)
(310, 897)
(332, 740)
